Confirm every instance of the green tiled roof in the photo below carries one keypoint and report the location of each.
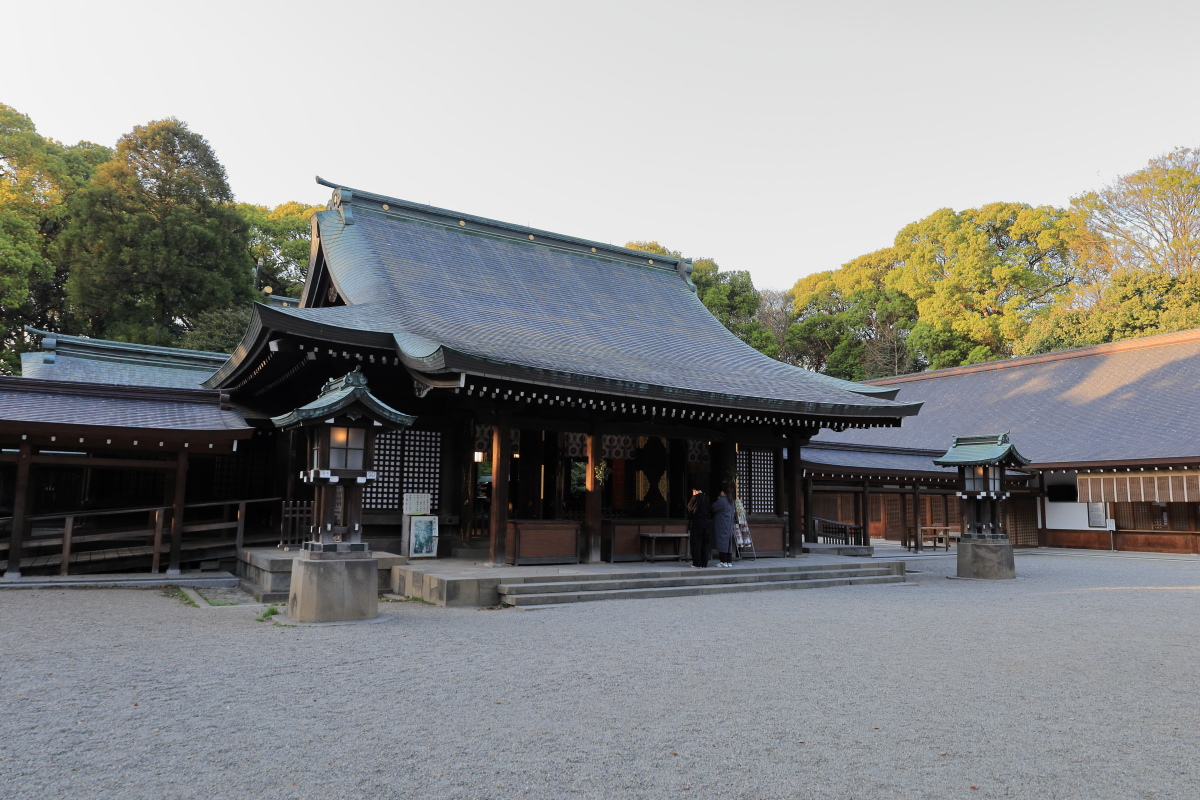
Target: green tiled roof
(975, 451)
(338, 395)
(84, 360)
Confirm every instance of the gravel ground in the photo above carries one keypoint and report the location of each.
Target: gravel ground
(1076, 680)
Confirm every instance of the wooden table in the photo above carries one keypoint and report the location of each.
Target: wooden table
(650, 545)
(940, 534)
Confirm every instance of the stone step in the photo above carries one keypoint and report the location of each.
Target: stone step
(554, 598)
(687, 572)
(705, 578)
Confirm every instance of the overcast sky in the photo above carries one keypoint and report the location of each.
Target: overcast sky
(779, 138)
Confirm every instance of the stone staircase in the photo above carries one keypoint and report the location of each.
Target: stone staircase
(553, 590)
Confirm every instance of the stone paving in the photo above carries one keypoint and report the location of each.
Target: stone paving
(1074, 681)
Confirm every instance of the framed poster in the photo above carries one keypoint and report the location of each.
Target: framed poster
(1096, 515)
(422, 537)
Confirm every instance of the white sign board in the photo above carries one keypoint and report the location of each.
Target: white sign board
(417, 503)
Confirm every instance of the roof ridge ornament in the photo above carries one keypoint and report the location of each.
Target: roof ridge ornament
(684, 268)
(340, 202)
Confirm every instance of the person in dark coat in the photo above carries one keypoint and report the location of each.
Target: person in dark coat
(699, 510)
(722, 511)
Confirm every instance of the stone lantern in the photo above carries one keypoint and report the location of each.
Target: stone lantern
(984, 549)
(334, 576)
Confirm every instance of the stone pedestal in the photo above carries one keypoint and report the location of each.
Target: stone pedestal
(334, 587)
(986, 559)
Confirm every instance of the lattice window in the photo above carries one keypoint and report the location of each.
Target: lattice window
(756, 480)
(405, 462)
(423, 464)
(385, 490)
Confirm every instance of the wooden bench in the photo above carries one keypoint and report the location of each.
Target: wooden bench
(650, 546)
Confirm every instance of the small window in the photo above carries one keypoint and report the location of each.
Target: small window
(346, 448)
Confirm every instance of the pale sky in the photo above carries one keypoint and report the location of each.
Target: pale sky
(779, 138)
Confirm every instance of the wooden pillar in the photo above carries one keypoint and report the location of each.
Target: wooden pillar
(501, 458)
(810, 530)
(64, 566)
(864, 515)
(178, 500)
(791, 477)
(466, 479)
(916, 516)
(22, 493)
(590, 550)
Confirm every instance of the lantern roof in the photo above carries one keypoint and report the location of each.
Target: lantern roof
(977, 451)
(338, 395)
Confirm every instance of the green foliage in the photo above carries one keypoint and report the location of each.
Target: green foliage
(218, 330)
(37, 177)
(851, 323)
(1133, 303)
(280, 237)
(156, 240)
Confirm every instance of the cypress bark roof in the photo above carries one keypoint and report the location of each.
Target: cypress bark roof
(458, 293)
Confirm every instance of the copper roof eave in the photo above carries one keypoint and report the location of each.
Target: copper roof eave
(268, 321)
(460, 362)
(68, 429)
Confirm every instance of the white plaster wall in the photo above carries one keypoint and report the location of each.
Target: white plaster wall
(1065, 516)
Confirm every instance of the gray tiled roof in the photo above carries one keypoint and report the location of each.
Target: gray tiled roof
(483, 298)
(78, 358)
(1125, 401)
(31, 401)
(874, 460)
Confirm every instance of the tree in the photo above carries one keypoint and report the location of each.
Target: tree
(980, 276)
(37, 177)
(280, 237)
(155, 239)
(1133, 303)
(851, 323)
(1147, 220)
(218, 331)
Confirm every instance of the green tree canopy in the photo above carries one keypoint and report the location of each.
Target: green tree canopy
(155, 238)
(851, 323)
(37, 177)
(980, 276)
(280, 237)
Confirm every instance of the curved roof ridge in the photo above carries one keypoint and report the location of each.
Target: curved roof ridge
(1137, 343)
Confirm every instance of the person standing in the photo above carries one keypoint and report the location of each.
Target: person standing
(699, 510)
(722, 511)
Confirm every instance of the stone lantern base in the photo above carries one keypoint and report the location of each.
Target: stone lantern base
(334, 587)
(986, 558)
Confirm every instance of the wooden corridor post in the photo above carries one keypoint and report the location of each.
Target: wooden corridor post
(178, 500)
(20, 511)
(591, 499)
(795, 493)
(501, 453)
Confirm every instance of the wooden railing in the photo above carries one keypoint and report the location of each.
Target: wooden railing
(295, 526)
(157, 520)
(831, 531)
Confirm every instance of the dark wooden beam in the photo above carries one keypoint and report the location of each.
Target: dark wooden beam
(501, 456)
(178, 500)
(21, 502)
(795, 495)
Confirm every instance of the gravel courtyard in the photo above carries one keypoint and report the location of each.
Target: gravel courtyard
(1077, 680)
